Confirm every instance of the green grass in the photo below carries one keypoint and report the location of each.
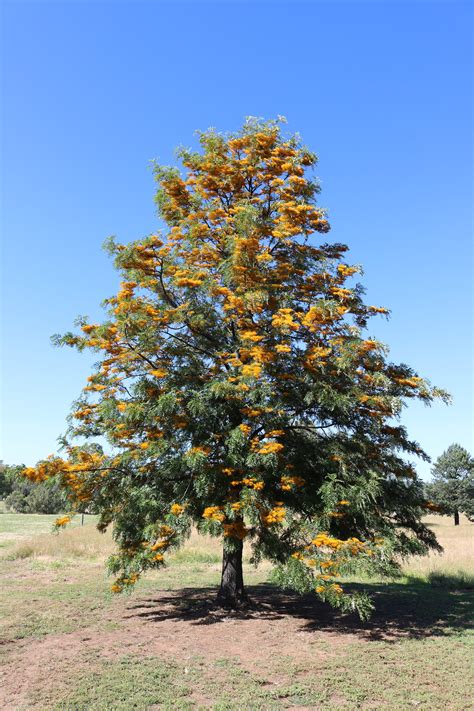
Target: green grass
(126, 684)
(401, 678)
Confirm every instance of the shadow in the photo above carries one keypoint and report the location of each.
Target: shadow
(414, 610)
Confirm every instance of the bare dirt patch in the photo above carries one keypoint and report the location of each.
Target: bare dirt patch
(181, 625)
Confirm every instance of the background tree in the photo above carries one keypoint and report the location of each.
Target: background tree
(7, 474)
(24, 496)
(452, 488)
(41, 498)
(236, 387)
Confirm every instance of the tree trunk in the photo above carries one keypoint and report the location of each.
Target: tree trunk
(232, 592)
(456, 518)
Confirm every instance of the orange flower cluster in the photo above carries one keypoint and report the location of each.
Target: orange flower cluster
(271, 448)
(236, 529)
(288, 483)
(214, 513)
(326, 554)
(275, 515)
(176, 509)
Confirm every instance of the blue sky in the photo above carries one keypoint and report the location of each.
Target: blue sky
(92, 92)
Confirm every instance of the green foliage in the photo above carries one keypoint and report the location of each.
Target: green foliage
(28, 497)
(8, 474)
(295, 575)
(452, 488)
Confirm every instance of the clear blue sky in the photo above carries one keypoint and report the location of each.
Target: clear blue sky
(92, 92)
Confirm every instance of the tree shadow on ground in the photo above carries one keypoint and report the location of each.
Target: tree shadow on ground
(414, 610)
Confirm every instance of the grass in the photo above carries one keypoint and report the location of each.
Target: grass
(125, 684)
(457, 556)
(16, 528)
(162, 648)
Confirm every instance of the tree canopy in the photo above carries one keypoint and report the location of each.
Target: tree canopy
(23, 496)
(452, 489)
(237, 387)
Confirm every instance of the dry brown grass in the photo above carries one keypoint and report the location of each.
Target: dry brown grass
(86, 543)
(78, 542)
(458, 544)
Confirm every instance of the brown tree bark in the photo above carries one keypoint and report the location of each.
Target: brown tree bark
(456, 518)
(232, 591)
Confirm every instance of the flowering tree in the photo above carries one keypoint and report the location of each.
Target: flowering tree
(236, 387)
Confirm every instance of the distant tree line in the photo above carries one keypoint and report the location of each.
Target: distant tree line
(23, 496)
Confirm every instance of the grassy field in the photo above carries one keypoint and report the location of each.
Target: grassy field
(68, 644)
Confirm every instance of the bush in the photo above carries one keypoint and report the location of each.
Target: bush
(45, 498)
(8, 474)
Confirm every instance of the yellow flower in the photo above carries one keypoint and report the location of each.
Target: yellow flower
(214, 513)
(176, 509)
(378, 310)
(199, 450)
(62, 521)
(326, 564)
(275, 515)
(251, 336)
(411, 382)
(236, 529)
(186, 281)
(284, 319)
(344, 270)
(29, 472)
(166, 531)
(252, 370)
(287, 482)
(271, 448)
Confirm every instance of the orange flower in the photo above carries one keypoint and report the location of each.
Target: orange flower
(176, 509)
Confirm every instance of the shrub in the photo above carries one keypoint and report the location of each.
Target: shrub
(44, 498)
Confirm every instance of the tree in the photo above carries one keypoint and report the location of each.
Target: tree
(23, 496)
(42, 498)
(452, 489)
(236, 387)
(8, 473)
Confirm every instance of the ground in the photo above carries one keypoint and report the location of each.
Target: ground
(67, 643)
